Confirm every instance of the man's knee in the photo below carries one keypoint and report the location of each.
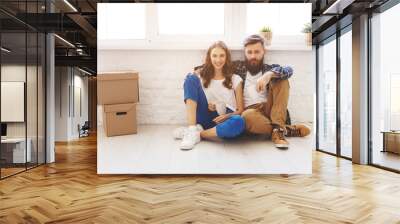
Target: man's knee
(249, 113)
(248, 116)
(280, 84)
(256, 122)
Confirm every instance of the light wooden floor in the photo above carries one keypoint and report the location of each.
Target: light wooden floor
(154, 151)
(70, 191)
(5, 172)
(387, 159)
(10, 171)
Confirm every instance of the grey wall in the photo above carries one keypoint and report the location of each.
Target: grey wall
(68, 81)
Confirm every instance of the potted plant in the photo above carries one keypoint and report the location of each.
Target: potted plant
(307, 30)
(266, 32)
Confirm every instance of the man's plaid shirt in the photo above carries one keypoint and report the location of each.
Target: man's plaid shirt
(284, 72)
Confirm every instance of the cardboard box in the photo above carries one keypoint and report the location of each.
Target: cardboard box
(118, 87)
(120, 119)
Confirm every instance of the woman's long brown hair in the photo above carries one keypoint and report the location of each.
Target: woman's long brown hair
(207, 73)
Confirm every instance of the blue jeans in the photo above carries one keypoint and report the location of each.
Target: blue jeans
(230, 128)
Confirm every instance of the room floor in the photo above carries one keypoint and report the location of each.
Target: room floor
(387, 159)
(70, 191)
(154, 151)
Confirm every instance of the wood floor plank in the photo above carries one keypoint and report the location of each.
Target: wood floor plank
(70, 191)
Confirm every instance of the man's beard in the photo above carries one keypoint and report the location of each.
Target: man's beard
(254, 66)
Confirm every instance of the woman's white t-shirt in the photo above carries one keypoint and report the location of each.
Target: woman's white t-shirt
(217, 92)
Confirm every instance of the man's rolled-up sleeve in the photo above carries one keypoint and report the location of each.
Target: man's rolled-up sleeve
(283, 72)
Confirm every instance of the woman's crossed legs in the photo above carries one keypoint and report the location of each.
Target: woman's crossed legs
(198, 113)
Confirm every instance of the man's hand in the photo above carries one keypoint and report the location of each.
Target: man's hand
(263, 81)
(221, 118)
(212, 107)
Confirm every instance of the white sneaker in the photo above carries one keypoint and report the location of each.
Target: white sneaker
(178, 132)
(191, 137)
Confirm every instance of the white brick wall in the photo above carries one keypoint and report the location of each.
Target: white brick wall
(161, 74)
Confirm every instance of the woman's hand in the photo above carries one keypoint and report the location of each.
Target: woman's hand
(212, 107)
(221, 118)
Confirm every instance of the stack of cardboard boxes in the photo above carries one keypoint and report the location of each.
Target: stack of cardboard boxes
(118, 92)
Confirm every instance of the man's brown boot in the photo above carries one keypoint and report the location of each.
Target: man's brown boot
(278, 138)
(297, 130)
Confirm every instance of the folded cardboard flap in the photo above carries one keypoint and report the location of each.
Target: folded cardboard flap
(118, 87)
(117, 76)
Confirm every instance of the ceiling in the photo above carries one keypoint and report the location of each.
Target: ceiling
(329, 16)
(76, 22)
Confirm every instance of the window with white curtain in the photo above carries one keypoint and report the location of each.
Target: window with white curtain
(121, 21)
(346, 94)
(327, 96)
(385, 85)
(190, 19)
(394, 101)
(283, 18)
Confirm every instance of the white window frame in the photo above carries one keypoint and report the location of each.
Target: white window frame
(124, 39)
(234, 34)
(278, 40)
(189, 37)
(391, 97)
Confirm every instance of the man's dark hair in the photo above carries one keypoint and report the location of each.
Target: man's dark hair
(253, 39)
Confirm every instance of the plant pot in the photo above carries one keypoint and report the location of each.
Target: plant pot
(308, 39)
(267, 37)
